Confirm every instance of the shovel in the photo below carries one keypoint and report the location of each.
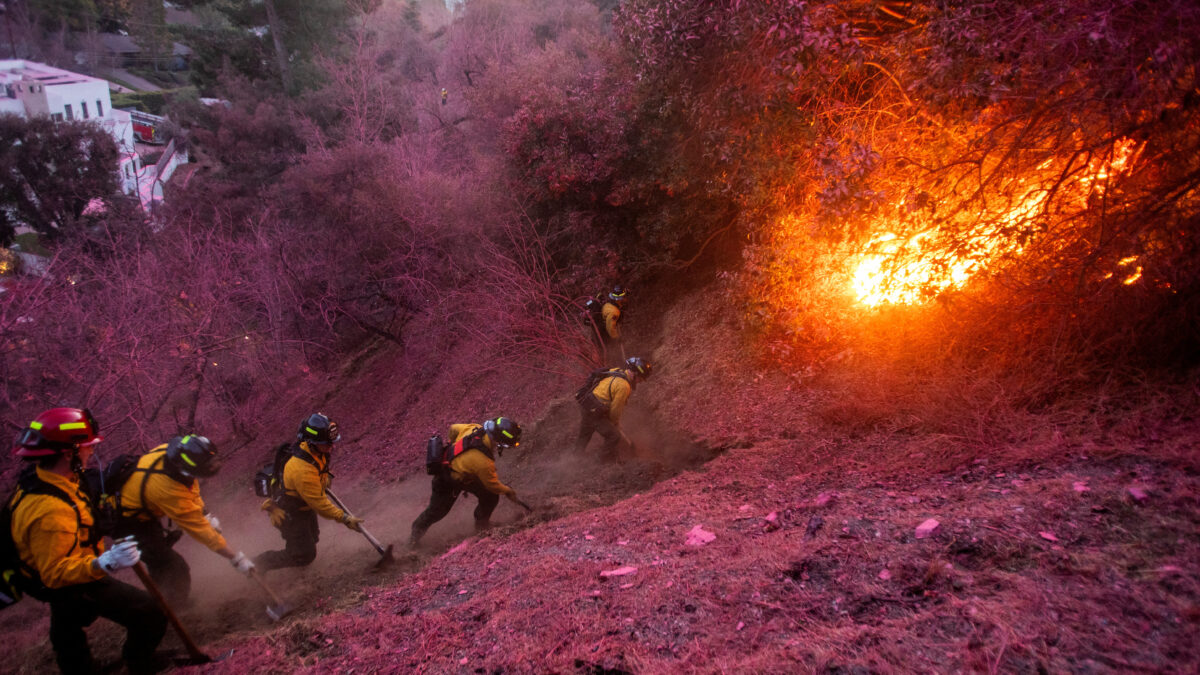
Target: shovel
(279, 609)
(384, 553)
(195, 656)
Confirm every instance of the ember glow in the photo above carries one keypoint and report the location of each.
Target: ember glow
(896, 271)
(893, 269)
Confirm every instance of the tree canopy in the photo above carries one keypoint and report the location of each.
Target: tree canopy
(50, 172)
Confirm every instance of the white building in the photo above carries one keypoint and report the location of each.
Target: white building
(32, 89)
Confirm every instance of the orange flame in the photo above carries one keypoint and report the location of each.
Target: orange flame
(896, 270)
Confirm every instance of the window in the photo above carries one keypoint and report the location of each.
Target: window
(99, 108)
(83, 108)
(67, 110)
(57, 117)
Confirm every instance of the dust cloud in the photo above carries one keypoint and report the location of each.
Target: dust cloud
(544, 470)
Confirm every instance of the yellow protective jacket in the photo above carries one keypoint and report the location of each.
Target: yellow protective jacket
(50, 537)
(309, 482)
(475, 467)
(165, 496)
(613, 391)
(612, 317)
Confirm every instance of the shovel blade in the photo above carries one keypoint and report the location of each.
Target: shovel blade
(385, 558)
(277, 612)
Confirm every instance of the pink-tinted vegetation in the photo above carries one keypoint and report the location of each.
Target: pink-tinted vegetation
(404, 264)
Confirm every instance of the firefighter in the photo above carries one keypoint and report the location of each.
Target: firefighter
(66, 564)
(601, 407)
(164, 484)
(473, 470)
(608, 333)
(306, 477)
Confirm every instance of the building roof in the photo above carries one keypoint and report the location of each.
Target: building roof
(119, 44)
(18, 70)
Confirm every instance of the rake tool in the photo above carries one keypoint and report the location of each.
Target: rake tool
(384, 553)
(195, 655)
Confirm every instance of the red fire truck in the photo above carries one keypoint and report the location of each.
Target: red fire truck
(145, 127)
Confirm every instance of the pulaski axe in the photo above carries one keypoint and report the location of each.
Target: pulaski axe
(385, 554)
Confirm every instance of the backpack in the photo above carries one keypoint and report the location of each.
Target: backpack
(18, 579)
(268, 482)
(593, 310)
(435, 456)
(587, 400)
(103, 488)
(438, 455)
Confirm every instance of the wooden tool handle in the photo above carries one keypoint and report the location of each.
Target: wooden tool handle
(263, 584)
(374, 542)
(139, 568)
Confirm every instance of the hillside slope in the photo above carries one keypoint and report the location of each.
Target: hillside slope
(748, 534)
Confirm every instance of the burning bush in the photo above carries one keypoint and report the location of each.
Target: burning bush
(1030, 168)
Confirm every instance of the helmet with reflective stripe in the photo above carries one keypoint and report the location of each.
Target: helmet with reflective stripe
(618, 295)
(504, 432)
(318, 428)
(56, 431)
(639, 366)
(193, 456)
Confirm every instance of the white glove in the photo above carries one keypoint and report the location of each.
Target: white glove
(242, 563)
(124, 553)
(212, 520)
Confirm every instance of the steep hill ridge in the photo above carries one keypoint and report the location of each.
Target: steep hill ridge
(756, 530)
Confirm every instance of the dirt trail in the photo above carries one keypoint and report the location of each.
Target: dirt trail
(1044, 559)
(1054, 567)
(544, 470)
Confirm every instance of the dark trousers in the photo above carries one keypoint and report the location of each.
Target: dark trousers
(445, 491)
(590, 423)
(73, 608)
(300, 534)
(167, 568)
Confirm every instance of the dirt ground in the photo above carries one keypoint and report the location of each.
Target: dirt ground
(743, 534)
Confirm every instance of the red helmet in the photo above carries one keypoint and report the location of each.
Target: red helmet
(56, 431)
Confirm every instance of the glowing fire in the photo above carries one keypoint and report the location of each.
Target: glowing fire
(896, 270)
(900, 272)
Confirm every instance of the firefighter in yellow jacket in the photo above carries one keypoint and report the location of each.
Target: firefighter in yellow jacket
(472, 469)
(64, 563)
(601, 407)
(306, 477)
(164, 484)
(611, 345)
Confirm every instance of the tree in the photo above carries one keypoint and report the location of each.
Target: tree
(148, 26)
(298, 31)
(51, 171)
(57, 15)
